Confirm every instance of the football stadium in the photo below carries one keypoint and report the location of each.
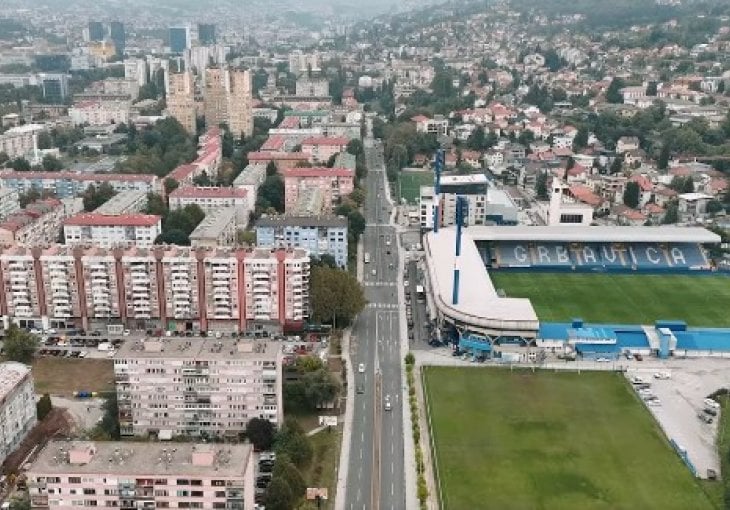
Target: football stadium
(518, 292)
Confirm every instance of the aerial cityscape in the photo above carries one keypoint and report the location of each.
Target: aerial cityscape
(400, 255)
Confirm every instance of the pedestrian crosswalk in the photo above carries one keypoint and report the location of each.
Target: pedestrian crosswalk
(383, 306)
(379, 284)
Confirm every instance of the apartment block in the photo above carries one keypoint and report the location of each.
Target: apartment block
(126, 202)
(322, 148)
(20, 140)
(173, 386)
(210, 199)
(39, 223)
(335, 183)
(320, 235)
(473, 187)
(218, 228)
(228, 99)
(113, 474)
(312, 87)
(107, 231)
(71, 184)
(166, 287)
(181, 99)
(209, 160)
(136, 69)
(17, 406)
(99, 113)
(9, 203)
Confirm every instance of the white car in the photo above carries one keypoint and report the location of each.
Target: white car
(388, 407)
(662, 375)
(361, 368)
(374, 272)
(126, 332)
(603, 360)
(711, 404)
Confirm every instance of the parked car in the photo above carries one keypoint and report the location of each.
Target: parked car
(388, 406)
(361, 368)
(705, 418)
(662, 375)
(638, 357)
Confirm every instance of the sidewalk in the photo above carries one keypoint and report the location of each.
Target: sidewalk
(343, 464)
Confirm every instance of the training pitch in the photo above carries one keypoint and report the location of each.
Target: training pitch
(518, 440)
(700, 300)
(410, 183)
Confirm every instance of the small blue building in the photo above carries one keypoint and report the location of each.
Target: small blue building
(321, 235)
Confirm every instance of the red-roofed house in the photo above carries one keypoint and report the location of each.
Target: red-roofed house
(39, 223)
(322, 148)
(585, 195)
(210, 198)
(104, 231)
(646, 189)
(334, 183)
(628, 216)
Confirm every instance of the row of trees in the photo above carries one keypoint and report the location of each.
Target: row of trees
(177, 224)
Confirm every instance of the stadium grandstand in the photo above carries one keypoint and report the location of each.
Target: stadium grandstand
(470, 312)
(594, 248)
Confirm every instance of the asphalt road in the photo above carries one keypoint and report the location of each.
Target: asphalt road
(375, 472)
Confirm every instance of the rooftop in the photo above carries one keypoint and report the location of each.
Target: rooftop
(326, 140)
(11, 374)
(198, 349)
(76, 176)
(597, 234)
(121, 220)
(274, 155)
(214, 223)
(464, 179)
(302, 221)
(208, 192)
(317, 172)
(143, 458)
(123, 202)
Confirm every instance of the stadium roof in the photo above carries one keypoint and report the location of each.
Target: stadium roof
(665, 234)
(478, 305)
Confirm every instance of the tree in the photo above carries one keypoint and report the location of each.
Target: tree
(442, 85)
(156, 205)
(293, 442)
(379, 128)
(320, 387)
(672, 213)
(261, 433)
(613, 92)
(29, 196)
(335, 294)
(651, 88)
(43, 406)
(355, 147)
(581, 139)
(19, 344)
(714, 207)
(93, 197)
(541, 189)
(284, 469)
(279, 495)
(617, 164)
(663, 160)
(632, 194)
(109, 425)
(271, 169)
(324, 260)
(20, 165)
(271, 194)
(246, 237)
(202, 179)
(170, 185)
(51, 163)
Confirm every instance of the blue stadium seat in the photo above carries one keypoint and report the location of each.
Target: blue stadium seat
(587, 255)
(648, 256)
(614, 256)
(686, 256)
(513, 255)
(551, 255)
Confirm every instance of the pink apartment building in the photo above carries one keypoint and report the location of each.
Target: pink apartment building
(322, 148)
(167, 286)
(134, 475)
(334, 184)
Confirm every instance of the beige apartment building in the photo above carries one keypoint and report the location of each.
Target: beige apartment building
(131, 475)
(227, 98)
(17, 406)
(181, 99)
(169, 287)
(174, 386)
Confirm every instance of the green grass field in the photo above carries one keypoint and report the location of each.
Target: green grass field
(622, 298)
(410, 184)
(522, 440)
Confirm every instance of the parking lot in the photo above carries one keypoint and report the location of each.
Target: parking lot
(681, 397)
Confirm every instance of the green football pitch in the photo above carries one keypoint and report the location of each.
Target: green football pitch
(410, 184)
(700, 300)
(522, 440)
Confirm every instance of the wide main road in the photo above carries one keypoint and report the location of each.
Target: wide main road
(375, 467)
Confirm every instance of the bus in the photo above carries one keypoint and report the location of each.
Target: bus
(367, 258)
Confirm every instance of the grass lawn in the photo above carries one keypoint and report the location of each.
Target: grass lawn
(409, 184)
(622, 298)
(62, 376)
(524, 440)
(321, 471)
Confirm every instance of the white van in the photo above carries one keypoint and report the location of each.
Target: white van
(711, 404)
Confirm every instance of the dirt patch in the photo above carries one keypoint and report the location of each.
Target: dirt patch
(62, 376)
(57, 424)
